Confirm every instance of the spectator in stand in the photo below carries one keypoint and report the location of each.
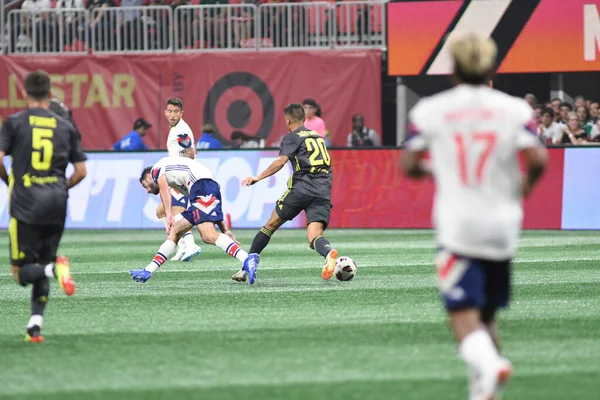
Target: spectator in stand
(595, 132)
(594, 105)
(538, 112)
(133, 140)
(207, 141)
(584, 116)
(361, 136)
(531, 99)
(101, 25)
(556, 102)
(131, 25)
(71, 19)
(565, 109)
(239, 140)
(573, 132)
(579, 101)
(41, 24)
(549, 130)
(313, 121)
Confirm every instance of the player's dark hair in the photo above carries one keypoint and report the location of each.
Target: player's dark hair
(295, 111)
(175, 101)
(37, 85)
(146, 171)
(548, 111)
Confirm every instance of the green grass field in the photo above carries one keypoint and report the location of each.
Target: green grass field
(192, 333)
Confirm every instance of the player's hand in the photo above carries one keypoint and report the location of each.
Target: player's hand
(170, 222)
(249, 181)
(230, 234)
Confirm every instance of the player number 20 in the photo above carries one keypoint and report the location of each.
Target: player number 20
(319, 155)
(43, 148)
(485, 142)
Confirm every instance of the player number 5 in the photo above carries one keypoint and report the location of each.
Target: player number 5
(489, 143)
(43, 148)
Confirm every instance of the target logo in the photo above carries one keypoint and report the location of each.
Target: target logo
(240, 101)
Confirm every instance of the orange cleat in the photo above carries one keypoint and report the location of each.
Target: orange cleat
(329, 267)
(62, 271)
(33, 335)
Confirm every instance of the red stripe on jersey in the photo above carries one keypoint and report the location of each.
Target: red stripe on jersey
(446, 268)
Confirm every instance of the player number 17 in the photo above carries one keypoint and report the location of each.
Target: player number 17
(488, 139)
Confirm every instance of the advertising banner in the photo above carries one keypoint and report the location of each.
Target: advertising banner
(112, 197)
(236, 92)
(532, 36)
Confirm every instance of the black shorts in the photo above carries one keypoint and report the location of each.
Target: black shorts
(33, 243)
(293, 202)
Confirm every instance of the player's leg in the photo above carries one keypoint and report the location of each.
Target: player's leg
(317, 218)
(462, 284)
(187, 243)
(166, 250)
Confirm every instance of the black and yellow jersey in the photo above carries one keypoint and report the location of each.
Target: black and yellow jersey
(41, 145)
(310, 159)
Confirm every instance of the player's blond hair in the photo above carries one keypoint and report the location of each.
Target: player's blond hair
(473, 53)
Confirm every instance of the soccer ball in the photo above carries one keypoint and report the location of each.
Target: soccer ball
(345, 269)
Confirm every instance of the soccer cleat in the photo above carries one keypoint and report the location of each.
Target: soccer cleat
(62, 271)
(189, 253)
(240, 276)
(140, 275)
(34, 335)
(250, 265)
(179, 254)
(329, 267)
(493, 383)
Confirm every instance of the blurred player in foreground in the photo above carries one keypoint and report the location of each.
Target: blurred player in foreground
(195, 181)
(474, 134)
(180, 139)
(41, 144)
(309, 189)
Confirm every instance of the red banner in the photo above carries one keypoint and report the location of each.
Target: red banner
(370, 191)
(236, 91)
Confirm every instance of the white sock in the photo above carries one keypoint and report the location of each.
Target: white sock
(163, 221)
(165, 251)
(478, 351)
(49, 271)
(35, 320)
(230, 247)
(187, 240)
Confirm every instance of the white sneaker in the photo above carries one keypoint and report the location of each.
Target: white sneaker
(492, 382)
(240, 276)
(191, 252)
(179, 254)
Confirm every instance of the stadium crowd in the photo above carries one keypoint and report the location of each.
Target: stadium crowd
(560, 122)
(207, 28)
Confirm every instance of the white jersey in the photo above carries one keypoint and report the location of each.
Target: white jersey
(181, 172)
(180, 138)
(474, 134)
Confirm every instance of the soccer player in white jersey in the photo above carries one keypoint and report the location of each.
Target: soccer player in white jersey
(474, 135)
(179, 141)
(195, 181)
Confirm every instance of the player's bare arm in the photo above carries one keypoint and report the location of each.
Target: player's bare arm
(536, 159)
(272, 169)
(414, 165)
(3, 172)
(165, 197)
(78, 175)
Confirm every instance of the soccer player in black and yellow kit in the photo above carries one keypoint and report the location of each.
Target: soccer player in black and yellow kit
(41, 144)
(309, 189)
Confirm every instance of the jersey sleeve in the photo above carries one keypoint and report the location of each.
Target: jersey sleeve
(76, 155)
(6, 136)
(417, 131)
(158, 170)
(289, 145)
(527, 131)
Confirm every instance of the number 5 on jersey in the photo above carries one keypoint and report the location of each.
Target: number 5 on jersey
(43, 148)
(480, 147)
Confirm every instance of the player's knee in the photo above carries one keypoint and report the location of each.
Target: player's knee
(209, 237)
(15, 272)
